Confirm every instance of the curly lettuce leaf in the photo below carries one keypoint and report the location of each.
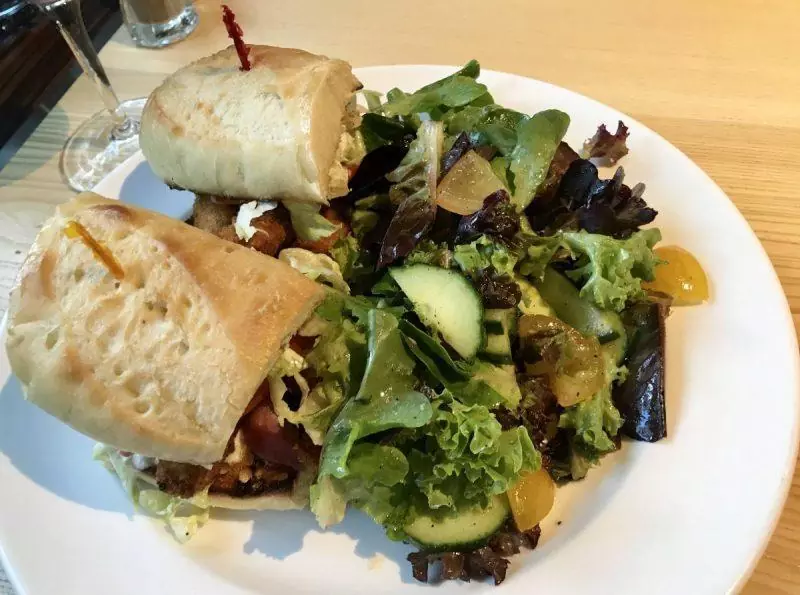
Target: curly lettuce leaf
(184, 517)
(482, 253)
(463, 457)
(611, 271)
(537, 140)
(595, 422)
(536, 253)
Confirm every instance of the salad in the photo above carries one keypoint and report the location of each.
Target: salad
(494, 325)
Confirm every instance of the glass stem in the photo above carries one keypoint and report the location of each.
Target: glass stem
(66, 14)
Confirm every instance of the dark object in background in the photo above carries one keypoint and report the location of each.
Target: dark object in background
(641, 398)
(35, 61)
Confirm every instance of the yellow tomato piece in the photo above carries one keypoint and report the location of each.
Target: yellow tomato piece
(680, 276)
(531, 499)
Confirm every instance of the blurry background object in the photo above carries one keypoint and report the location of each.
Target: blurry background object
(37, 67)
(109, 137)
(156, 23)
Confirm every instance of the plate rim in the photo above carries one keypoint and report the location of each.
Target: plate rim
(790, 463)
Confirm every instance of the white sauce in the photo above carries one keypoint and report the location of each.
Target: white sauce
(248, 212)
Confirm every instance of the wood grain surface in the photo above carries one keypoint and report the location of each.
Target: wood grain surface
(720, 79)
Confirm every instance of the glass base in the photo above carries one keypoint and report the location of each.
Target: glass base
(101, 144)
(156, 35)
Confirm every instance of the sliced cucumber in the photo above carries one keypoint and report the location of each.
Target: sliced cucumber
(532, 302)
(564, 298)
(461, 532)
(503, 379)
(446, 302)
(498, 345)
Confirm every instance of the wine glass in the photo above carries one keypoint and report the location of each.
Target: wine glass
(110, 136)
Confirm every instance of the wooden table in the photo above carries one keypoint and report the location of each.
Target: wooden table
(720, 79)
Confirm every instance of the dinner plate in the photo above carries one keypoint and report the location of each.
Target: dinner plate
(690, 514)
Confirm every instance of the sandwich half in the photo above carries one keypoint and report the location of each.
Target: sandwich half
(285, 129)
(158, 339)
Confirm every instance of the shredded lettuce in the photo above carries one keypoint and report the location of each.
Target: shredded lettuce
(184, 517)
(611, 271)
(484, 252)
(331, 359)
(537, 140)
(318, 267)
(307, 221)
(346, 252)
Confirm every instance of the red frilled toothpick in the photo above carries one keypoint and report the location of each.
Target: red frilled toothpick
(235, 33)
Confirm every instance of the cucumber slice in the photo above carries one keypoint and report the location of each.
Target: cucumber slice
(564, 298)
(503, 380)
(499, 344)
(461, 532)
(446, 302)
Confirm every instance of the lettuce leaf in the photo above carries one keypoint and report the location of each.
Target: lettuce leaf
(491, 125)
(537, 140)
(373, 483)
(610, 270)
(456, 90)
(378, 130)
(318, 267)
(482, 253)
(428, 252)
(463, 457)
(345, 253)
(184, 517)
(593, 423)
(536, 253)
(385, 398)
(307, 221)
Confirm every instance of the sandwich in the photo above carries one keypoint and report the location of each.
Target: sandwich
(171, 348)
(282, 129)
(264, 150)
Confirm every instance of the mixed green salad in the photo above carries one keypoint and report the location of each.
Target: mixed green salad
(486, 332)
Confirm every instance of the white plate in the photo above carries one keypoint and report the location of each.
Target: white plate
(690, 514)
